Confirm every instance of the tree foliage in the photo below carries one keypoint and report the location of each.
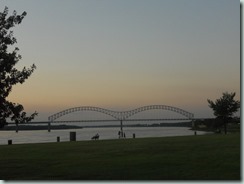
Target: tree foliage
(9, 75)
(225, 107)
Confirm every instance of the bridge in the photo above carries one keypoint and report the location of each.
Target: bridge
(121, 115)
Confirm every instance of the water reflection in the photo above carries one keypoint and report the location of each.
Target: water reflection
(40, 136)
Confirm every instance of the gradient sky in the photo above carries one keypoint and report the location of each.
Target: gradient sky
(123, 54)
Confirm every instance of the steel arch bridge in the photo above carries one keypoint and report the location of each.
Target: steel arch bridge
(121, 115)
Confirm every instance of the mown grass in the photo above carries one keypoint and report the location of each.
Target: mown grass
(208, 157)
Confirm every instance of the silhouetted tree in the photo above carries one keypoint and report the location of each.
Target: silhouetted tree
(224, 108)
(9, 75)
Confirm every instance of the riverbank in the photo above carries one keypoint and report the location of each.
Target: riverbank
(39, 127)
(206, 157)
(40, 136)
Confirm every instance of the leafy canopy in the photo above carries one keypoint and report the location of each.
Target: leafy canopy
(226, 106)
(9, 75)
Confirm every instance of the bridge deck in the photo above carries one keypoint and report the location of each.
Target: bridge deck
(80, 121)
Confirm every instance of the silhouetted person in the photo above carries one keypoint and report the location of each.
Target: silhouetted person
(95, 137)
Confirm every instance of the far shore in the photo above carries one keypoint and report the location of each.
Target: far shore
(35, 126)
(39, 127)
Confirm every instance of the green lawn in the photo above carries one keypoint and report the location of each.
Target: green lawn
(208, 157)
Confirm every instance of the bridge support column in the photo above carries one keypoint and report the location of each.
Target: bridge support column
(121, 128)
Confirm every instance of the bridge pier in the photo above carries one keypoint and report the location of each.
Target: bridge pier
(121, 128)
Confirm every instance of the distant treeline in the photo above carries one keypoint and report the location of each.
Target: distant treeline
(60, 127)
(39, 127)
(209, 124)
(213, 124)
(179, 124)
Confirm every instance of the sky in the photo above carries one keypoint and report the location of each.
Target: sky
(124, 54)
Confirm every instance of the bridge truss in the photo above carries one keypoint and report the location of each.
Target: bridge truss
(120, 115)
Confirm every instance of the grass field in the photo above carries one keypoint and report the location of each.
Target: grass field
(208, 157)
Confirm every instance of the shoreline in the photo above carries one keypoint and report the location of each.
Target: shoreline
(40, 127)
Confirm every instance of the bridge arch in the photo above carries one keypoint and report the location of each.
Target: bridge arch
(55, 116)
(121, 115)
(159, 107)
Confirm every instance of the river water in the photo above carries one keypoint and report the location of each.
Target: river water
(41, 136)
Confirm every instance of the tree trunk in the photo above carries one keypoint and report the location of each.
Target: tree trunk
(225, 125)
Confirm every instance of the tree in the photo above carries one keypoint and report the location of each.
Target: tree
(9, 75)
(224, 108)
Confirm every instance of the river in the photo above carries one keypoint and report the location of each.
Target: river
(42, 136)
